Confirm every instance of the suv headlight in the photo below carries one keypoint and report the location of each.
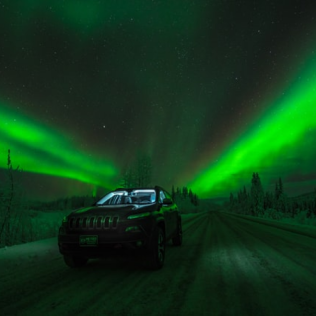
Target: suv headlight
(138, 215)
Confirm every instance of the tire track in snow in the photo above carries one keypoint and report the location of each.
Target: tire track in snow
(291, 279)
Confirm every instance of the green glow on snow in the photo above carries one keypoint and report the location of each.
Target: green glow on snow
(40, 149)
(282, 128)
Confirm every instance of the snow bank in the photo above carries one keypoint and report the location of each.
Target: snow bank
(24, 255)
(294, 228)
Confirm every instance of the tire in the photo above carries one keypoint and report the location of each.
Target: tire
(75, 262)
(177, 239)
(156, 252)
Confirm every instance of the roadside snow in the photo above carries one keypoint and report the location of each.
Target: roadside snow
(294, 228)
(24, 255)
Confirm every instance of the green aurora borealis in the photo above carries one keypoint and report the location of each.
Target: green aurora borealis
(44, 151)
(283, 129)
(213, 91)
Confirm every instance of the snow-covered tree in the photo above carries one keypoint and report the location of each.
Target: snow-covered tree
(181, 196)
(173, 192)
(257, 195)
(128, 178)
(195, 200)
(143, 169)
(138, 174)
(278, 188)
(13, 224)
(191, 195)
(268, 201)
(185, 192)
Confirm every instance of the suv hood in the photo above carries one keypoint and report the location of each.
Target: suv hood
(111, 209)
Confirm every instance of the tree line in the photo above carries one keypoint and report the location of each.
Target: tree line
(137, 174)
(276, 205)
(179, 194)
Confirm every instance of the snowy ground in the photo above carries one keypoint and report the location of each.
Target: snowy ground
(292, 226)
(227, 265)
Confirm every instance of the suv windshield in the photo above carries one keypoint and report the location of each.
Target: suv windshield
(138, 196)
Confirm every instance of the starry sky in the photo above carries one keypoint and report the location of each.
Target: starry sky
(211, 90)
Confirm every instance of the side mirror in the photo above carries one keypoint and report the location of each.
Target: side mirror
(167, 201)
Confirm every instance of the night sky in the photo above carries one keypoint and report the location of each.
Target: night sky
(212, 90)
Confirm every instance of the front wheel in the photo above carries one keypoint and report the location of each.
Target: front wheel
(75, 262)
(156, 252)
(177, 239)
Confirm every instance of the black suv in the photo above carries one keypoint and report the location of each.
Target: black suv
(140, 218)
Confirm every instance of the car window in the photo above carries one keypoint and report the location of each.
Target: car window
(138, 196)
(161, 196)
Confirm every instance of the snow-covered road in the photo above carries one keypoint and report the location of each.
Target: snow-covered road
(226, 266)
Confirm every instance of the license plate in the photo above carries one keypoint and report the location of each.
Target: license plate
(88, 240)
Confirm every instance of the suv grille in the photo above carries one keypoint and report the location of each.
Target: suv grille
(93, 222)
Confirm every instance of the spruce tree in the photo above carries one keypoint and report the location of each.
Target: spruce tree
(256, 195)
(178, 193)
(11, 206)
(195, 200)
(276, 191)
(231, 199)
(185, 192)
(173, 192)
(138, 174)
(280, 186)
(191, 196)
